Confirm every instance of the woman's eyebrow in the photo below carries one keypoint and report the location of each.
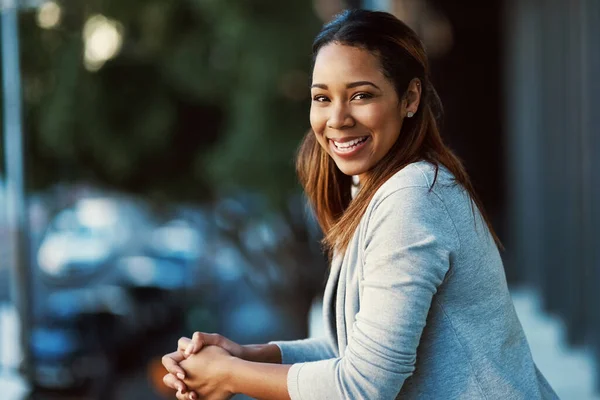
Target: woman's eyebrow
(348, 86)
(361, 83)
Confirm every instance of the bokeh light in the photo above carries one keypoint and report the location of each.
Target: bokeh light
(49, 15)
(103, 39)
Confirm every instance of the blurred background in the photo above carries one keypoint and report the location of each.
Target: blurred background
(147, 187)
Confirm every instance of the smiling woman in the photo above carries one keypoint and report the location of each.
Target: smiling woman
(368, 78)
(356, 114)
(416, 304)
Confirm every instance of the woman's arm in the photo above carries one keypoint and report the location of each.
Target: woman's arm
(408, 242)
(258, 355)
(213, 373)
(262, 353)
(258, 380)
(305, 350)
(277, 352)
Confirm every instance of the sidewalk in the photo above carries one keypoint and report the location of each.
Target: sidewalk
(569, 371)
(11, 385)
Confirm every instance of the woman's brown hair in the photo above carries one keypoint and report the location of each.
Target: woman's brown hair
(403, 58)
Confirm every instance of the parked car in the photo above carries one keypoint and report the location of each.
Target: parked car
(104, 286)
(81, 241)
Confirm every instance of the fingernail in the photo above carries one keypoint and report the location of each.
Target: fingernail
(192, 396)
(180, 375)
(189, 349)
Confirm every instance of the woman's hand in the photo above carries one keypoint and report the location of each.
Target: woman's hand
(266, 353)
(186, 347)
(207, 373)
(216, 374)
(201, 339)
(174, 379)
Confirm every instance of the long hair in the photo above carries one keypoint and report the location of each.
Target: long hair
(402, 58)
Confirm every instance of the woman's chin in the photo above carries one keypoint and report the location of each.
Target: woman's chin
(351, 170)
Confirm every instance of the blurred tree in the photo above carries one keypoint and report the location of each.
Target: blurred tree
(202, 95)
(179, 100)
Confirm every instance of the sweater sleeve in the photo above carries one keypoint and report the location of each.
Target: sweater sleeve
(305, 350)
(408, 241)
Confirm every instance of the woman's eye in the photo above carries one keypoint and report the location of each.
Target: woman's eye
(320, 98)
(361, 96)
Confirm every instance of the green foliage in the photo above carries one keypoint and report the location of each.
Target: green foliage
(204, 96)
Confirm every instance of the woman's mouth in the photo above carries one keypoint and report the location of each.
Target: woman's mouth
(349, 147)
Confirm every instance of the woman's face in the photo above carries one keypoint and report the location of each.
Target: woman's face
(355, 111)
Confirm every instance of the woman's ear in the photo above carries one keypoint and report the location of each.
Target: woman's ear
(412, 97)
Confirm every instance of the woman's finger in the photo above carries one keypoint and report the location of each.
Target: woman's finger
(172, 382)
(186, 396)
(183, 343)
(171, 363)
(192, 396)
(196, 344)
(201, 339)
(193, 345)
(181, 396)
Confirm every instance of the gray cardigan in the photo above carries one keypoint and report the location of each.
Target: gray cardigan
(421, 308)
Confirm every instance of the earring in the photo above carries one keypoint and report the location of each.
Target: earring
(410, 114)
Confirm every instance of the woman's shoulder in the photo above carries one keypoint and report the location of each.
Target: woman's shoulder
(421, 174)
(414, 199)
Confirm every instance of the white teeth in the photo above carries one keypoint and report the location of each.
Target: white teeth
(349, 144)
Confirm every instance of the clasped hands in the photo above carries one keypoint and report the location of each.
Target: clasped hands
(199, 369)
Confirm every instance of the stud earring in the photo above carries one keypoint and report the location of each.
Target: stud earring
(410, 114)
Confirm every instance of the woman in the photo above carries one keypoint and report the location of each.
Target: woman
(416, 305)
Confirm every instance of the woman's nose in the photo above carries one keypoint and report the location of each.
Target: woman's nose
(340, 117)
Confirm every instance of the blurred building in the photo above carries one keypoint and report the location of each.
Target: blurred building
(552, 97)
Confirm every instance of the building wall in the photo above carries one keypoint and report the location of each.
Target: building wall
(553, 155)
